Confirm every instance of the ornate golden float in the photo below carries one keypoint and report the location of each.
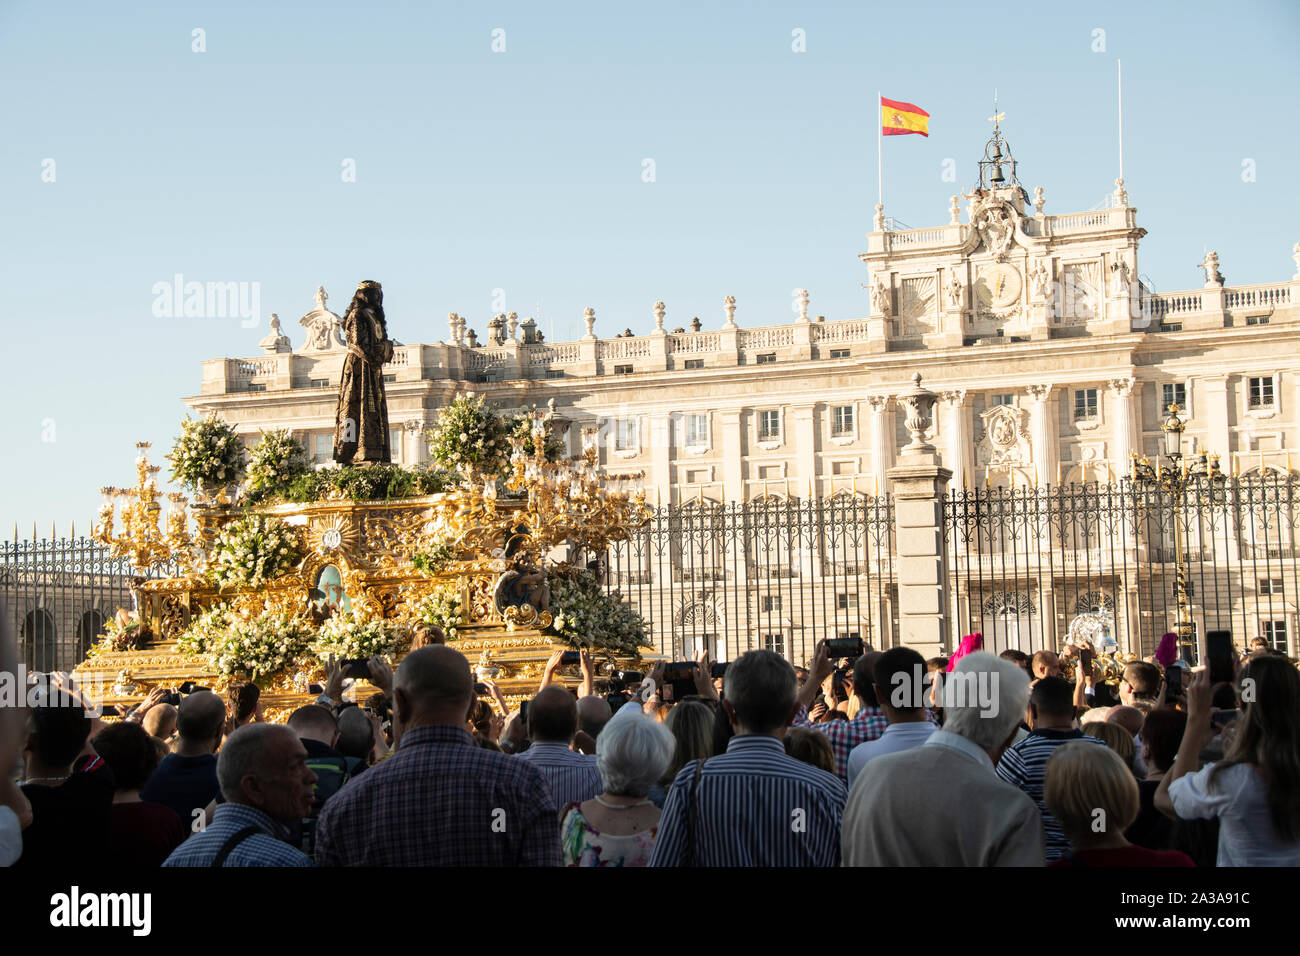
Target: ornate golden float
(496, 546)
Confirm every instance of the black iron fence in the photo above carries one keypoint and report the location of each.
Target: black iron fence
(774, 573)
(1024, 563)
(782, 573)
(59, 593)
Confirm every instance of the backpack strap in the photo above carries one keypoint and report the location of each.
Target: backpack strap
(233, 841)
(690, 814)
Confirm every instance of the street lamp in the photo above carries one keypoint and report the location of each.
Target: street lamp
(1175, 480)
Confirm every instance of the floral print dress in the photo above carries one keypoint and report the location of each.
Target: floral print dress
(584, 845)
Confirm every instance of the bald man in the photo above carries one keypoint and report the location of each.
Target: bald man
(440, 800)
(186, 780)
(593, 714)
(552, 723)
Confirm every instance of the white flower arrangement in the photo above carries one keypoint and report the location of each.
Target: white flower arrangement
(207, 451)
(251, 551)
(260, 646)
(254, 646)
(275, 461)
(588, 616)
(204, 631)
(444, 609)
(348, 636)
(471, 437)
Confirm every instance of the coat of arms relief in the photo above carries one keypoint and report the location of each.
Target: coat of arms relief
(1005, 440)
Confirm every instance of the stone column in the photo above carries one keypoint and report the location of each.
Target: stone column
(957, 454)
(414, 447)
(1041, 434)
(1121, 392)
(805, 436)
(919, 485)
(1218, 437)
(733, 474)
(882, 441)
(661, 444)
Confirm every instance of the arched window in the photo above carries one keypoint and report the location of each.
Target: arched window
(89, 628)
(40, 641)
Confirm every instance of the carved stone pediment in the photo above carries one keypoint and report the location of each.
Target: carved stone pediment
(1004, 439)
(324, 328)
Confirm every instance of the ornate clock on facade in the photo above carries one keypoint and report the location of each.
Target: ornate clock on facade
(997, 287)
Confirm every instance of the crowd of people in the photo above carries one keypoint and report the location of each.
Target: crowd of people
(884, 758)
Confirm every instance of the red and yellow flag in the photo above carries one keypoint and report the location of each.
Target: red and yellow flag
(899, 119)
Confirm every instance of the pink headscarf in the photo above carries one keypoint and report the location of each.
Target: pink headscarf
(969, 644)
(1167, 652)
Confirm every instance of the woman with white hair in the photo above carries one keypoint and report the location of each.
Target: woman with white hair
(618, 827)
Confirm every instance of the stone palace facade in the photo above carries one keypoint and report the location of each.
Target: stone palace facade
(1053, 361)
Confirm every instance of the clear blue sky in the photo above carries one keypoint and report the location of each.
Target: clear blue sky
(522, 171)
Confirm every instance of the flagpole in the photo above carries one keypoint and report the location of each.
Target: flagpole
(880, 152)
(1119, 69)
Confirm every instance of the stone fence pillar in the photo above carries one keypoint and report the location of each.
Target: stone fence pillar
(919, 484)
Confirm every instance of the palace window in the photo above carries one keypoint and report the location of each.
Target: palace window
(774, 643)
(769, 424)
(846, 600)
(848, 635)
(555, 373)
(699, 476)
(389, 379)
(769, 472)
(622, 370)
(771, 602)
(767, 358)
(697, 430)
(318, 383)
(1085, 403)
(1270, 585)
(1257, 320)
(842, 420)
(625, 434)
(1260, 392)
(839, 353)
(1006, 398)
(324, 447)
(395, 443)
(1274, 632)
(1173, 393)
(695, 363)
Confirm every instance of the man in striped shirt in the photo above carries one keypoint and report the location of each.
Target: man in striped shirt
(753, 805)
(552, 721)
(1051, 722)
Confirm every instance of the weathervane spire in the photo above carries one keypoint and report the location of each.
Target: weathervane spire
(997, 117)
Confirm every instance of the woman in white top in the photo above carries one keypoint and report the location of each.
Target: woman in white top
(1255, 790)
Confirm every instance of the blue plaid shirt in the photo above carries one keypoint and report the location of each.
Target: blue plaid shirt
(267, 848)
(441, 800)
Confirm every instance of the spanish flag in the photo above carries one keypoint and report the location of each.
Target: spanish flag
(899, 119)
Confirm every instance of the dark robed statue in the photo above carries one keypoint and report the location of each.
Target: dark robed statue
(361, 424)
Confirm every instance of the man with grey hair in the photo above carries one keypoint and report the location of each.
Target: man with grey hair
(267, 784)
(753, 805)
(440, 800)
(942, 804)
